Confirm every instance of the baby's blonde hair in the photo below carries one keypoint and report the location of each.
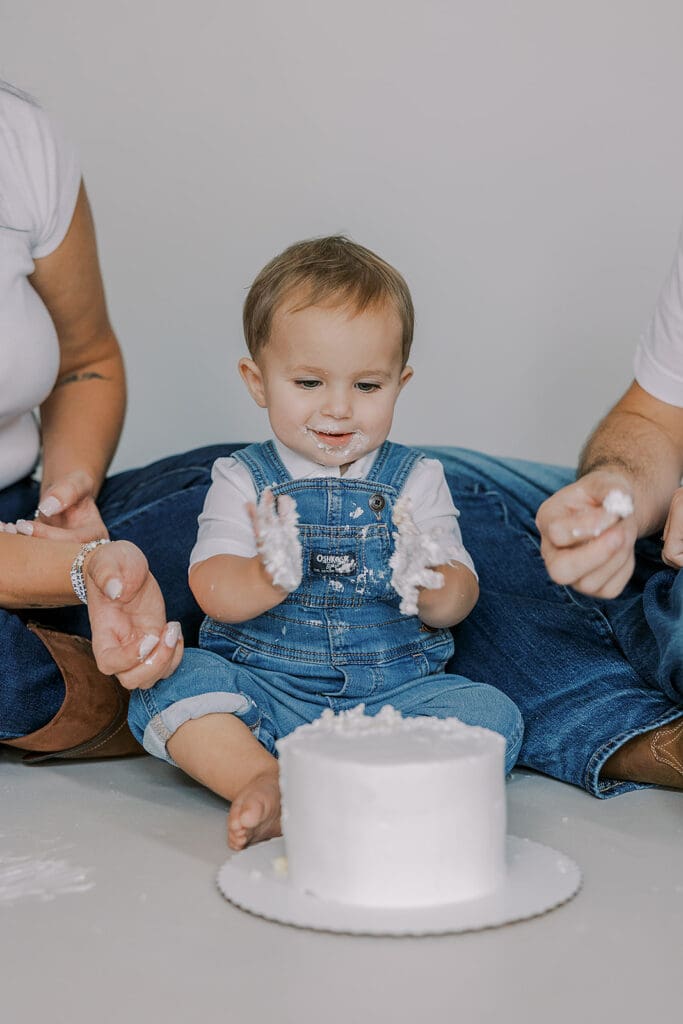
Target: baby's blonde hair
(332, 269)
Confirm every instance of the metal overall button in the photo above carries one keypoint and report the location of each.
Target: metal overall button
(376, 502)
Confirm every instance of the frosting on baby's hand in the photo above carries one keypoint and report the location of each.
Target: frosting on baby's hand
(277, 539)
(414, 556)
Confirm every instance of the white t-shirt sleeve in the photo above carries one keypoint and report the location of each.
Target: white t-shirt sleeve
(658, 362)
(49, 172)
(432, 506)
(224, 524)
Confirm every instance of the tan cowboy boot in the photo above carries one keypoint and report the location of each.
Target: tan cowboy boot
(654, 757)
(92, 721)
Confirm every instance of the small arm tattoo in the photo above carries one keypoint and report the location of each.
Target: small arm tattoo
(72, 378)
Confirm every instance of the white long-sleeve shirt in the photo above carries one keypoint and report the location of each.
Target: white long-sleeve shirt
(225, 527)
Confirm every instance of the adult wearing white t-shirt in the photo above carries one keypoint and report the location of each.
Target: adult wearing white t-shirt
(638, 450)
(59, 353)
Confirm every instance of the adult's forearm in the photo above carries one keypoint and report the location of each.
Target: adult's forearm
(641, 451)
(35, 573)
(82, 420)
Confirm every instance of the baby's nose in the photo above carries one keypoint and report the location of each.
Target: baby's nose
(337, 405)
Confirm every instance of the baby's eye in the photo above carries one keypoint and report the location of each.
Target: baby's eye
(307, 385)
(366, 386)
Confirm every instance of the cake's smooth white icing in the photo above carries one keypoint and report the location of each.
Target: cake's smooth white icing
(389, 811)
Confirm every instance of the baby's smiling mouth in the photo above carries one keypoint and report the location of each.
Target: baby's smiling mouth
(334, 439)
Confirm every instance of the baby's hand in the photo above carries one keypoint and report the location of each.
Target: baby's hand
(277, 538)
(414, 555)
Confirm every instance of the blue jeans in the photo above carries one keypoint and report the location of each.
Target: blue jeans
(587, 675)
(155, 507)
(272, 703)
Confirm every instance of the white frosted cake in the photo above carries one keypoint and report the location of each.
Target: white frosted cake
(391, 811)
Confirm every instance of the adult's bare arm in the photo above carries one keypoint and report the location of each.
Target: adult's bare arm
(81, 419)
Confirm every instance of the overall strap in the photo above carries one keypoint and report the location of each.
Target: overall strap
(393, 465)
(264, 464)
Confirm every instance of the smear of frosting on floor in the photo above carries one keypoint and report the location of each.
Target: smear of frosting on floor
(42, 878)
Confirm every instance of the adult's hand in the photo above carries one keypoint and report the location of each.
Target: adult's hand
(130, 635)
(67, 512)
(583, 545)
(672, 552)
(69, 505)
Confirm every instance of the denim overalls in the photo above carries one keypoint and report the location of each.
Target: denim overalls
(336, 641)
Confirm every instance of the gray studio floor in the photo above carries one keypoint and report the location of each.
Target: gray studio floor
(137, 931)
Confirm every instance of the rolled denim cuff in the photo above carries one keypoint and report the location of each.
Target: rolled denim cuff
(162, 726)
(605, 788)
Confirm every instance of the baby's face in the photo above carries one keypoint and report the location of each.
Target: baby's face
(329, 378)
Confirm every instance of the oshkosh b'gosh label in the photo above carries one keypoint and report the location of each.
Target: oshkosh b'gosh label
(337, 565)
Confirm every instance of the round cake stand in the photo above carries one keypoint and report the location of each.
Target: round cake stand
(538, 879)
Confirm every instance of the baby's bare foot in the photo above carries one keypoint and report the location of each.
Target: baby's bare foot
(255, 812)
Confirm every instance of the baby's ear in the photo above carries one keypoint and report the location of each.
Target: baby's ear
(252, 377)
(406, 374)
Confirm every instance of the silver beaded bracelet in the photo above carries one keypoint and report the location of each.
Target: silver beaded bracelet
(77, 581)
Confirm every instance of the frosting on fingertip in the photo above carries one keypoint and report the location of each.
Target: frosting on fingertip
(172, 634)
(147, 645)
(113, 589)
(618, 503)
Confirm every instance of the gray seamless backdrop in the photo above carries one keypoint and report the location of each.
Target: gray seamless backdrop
(520, 162)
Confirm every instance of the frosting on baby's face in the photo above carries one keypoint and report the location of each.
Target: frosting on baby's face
(329, 377)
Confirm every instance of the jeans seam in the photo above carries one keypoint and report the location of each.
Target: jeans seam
(281, 652)
(149, 703)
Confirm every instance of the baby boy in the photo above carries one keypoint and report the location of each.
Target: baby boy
(329, 561)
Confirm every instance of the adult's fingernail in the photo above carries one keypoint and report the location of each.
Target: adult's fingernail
(113, 589)
(172, 634)
(147, 645)
(50, 506)
(25, 527)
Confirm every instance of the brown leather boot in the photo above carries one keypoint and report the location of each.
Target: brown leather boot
(92, 721)
(654, 757)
